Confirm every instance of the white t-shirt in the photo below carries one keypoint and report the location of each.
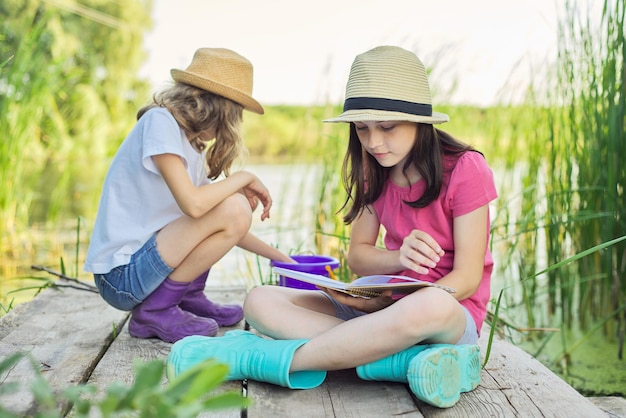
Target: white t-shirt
(135, 201)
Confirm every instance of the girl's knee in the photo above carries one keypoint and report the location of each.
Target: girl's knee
(444, 302)
(444, 315)
(236, 213)
(238, 207)
(435, 304)
(258, 298)
(261, 305)
(268, 299)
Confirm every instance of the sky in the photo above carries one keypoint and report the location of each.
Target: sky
(479, 52)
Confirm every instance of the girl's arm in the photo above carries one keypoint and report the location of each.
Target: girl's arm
(470, 243)
(253, 244)
(196, 201)
(364, 258)
(420, 251)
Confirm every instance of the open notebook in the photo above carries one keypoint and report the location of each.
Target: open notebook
(366, 286)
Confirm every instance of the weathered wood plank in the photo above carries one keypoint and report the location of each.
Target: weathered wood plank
(514, 379)
(513, 384)
(66, 332)
(70, 333)
(615, 407)
(342, 394)
(353, 397)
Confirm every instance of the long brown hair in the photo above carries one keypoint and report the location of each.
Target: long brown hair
(197, 112)
(434, 153)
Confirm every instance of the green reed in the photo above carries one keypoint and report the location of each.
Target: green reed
(593, 128)
(23, 101)
(577, 153)
(569, 196)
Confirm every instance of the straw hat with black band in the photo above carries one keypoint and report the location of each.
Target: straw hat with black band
(388, 83)
(223, 72)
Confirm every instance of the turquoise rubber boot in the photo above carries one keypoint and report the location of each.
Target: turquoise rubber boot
(247, 355)
(392, 368)
(441, 373)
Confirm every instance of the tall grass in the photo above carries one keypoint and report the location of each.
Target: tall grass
(560, 229)
(24, 100)
(574, 169)
(592, 125)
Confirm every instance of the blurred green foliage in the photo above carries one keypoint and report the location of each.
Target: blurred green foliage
(149, 395)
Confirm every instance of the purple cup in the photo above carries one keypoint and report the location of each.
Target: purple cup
(315, 264)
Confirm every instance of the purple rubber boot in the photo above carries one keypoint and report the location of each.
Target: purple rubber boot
(160, 316)
(196, 302)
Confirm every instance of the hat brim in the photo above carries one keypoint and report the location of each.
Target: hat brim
(365, 115)
(211, 86)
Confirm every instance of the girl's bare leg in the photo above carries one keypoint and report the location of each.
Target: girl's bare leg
(428, 315)
(192, 246)
(286, 313)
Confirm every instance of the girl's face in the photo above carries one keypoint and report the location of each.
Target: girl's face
(388, 142)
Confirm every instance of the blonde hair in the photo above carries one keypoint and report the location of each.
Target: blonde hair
(198, 112)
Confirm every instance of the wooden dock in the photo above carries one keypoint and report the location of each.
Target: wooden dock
(77, 338)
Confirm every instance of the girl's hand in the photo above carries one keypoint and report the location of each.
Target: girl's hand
(368, 305)
(419, 252)
(256, 193)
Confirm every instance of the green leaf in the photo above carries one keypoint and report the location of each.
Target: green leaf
(9, 387)
(147, 378)
(9, 362)
(579, 256)
(197, 381)
(148, 375)
(5, 413)
(210, 377)
(116, 392)
(43, 394)
(76, 395)
(226, 400)
(492, 330)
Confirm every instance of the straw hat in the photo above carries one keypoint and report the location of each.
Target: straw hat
(221, 71)
(388, 83)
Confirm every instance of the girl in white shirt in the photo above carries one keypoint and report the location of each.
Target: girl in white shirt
(163, 219)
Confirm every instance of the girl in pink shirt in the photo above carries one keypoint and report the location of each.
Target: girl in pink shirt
(430, 193)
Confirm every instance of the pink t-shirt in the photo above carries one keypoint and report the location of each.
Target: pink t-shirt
(467, 187)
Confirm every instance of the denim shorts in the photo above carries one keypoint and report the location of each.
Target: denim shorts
(127, 286)
(470, 335)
